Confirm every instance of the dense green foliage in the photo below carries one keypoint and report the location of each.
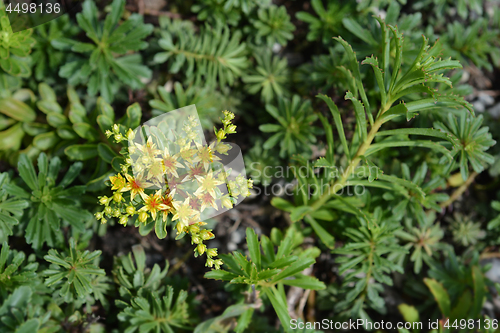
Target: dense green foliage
(368, 129)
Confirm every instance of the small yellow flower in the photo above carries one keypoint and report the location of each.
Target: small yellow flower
(205, 155)
(118, 182)
(156, 172)
(170, 163)
(135, 186)
(153, 204)
(183, 213)
(149, 149)
(167, 201)
(187, 153)
(207, 201)
(207, 184)
(193, 171)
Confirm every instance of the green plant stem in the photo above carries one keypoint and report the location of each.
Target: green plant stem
(341, 182)
(459, 191)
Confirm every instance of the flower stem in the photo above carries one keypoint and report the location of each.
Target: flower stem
(459, 191)
(341, 182)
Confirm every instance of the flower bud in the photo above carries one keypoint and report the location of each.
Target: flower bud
(222, 148)
(123, 220)
(210, 262)
(130, 134)
(108, 210)
(226, 202)
(104, 200)
(143, 216)
(201, 248)
(194, 229)
(206, 235)
(218, 263)
(117, 197)
(212, 252)
(221, 134)
(231, 129)
(130, 210)
(196, 239)
(98, 215)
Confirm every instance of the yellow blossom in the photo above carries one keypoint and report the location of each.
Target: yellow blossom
(183, 212)
(170, 163)
(135, 185)
(153, 204)
(118, 182)
(207, 184)
(205, 155)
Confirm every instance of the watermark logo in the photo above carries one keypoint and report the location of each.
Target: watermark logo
(26, 14)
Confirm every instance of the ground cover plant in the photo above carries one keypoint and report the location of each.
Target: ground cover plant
(370, 196)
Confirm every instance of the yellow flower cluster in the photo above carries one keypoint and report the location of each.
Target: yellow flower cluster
(173, 180)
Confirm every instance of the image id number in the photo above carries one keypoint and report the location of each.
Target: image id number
(32, 8)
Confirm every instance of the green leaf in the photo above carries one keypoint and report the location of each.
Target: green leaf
(27, 172)
(298, 213)
(378, 76)
(218, 274)
(81, 152)
(479, 291)
(45, 141)
(296, 267)
(17, 110)
(363, 34)
(419, 131)
(160, 227)
(282, 204)
(253, 247)
(305, 282)
(279, 306)
(409, 313)
(414, 143)
(440, 295)
(133, 116)
(324, 235)
(360, 116)
(11, 138)
(86, 131)
(462, 307)
(105, 152)
(353, 63)
(403, 182)
(338, 122)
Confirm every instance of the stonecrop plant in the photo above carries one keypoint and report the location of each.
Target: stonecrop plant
(165, 181)
(352, 178)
